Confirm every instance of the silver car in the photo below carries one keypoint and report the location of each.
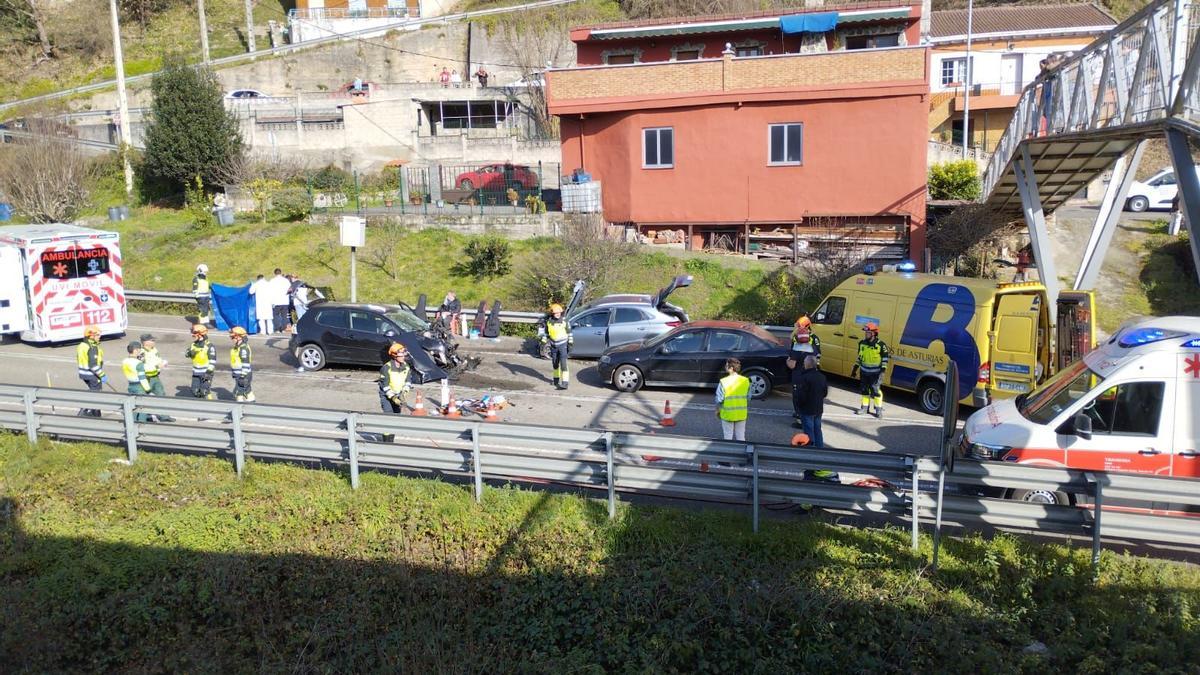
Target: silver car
(620, 319)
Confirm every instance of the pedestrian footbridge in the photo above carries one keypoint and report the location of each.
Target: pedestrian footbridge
(1095, 112)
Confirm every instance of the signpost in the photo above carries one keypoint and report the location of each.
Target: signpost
(354, 234)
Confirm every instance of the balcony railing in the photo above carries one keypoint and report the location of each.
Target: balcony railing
(322, 14)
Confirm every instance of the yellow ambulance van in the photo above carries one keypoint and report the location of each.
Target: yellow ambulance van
(999, 334)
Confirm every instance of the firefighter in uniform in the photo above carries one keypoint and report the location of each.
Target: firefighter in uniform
(89, 358)
(393, 383)
(240, 362)
(804, 341)
(203, 294)
(557, 333)
(203, 356)
(871, 365)
(135, 375)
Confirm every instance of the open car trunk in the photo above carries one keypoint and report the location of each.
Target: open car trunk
(660, 299)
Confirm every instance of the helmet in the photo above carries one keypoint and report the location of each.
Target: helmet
(91, 331)
(556, 308)
(199, 329)
(872, 327)
(238, 331)
(803, 322)
(397, 349)
(202, 268)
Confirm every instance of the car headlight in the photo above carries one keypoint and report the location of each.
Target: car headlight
(984, 450)
(606, 359)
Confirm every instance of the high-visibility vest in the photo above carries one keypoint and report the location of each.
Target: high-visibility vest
(393, 378)
(153, 361)
(735, 405)
(90, 359)
(203, 356)
(135, 372)
(872, 356)
(200, 286)
(239, 359)
(556, 330)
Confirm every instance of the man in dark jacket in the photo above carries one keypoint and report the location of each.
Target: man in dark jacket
(810, 388)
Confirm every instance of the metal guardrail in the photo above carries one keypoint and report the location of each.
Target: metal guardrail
(615, 462)
(7, 134)
(287, 49)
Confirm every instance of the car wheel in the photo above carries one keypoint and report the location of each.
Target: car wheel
(760, 384)
(627, 378)
(1137, 204)
(466, 184)
(312, 357)
(1048, 497)
(931, 395)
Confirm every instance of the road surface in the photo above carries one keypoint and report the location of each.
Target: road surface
(507, 369)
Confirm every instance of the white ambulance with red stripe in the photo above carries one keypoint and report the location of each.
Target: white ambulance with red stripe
(1132, 404)
(55, 279)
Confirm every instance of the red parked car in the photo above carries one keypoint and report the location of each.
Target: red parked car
(498, 177)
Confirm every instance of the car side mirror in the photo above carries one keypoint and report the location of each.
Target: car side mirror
(1082, 426)
(390, 333)
(819, 317)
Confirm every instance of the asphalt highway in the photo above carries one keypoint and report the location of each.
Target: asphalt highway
(507, 369)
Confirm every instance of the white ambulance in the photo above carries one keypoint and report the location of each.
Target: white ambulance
(1132, 404)
(56, 279)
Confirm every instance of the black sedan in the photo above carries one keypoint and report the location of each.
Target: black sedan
(694, 354)
(360, 334)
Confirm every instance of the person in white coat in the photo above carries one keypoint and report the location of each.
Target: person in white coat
(279, 286)
(261, 290)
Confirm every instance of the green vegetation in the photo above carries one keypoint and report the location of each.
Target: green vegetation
(1163, 283)
(954, 180)
(173, 564)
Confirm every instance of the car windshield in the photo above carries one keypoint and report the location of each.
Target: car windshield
(1058, 393)
(407, 320)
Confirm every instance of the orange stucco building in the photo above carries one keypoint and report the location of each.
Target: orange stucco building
(766, 146)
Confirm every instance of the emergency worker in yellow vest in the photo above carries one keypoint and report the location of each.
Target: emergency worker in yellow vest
(89, 358)
(555, 331)
(203, 356)
(240, 362)
(872, 363)
(393, 380)
(135, 375)
(154, 364)
(733, 401)
(202, 292)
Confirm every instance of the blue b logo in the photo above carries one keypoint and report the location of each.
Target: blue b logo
(921, 331)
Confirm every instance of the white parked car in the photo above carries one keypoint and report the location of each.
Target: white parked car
(1157, 192)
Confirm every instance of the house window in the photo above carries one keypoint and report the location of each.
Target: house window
(873, 41)
(687, 52)
(785, 144)
(658, 148)
(616, 57)
(954, 71)
(749, 49)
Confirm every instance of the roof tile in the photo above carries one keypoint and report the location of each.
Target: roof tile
(1014, 18)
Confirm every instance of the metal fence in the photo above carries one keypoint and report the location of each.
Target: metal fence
(611, 462)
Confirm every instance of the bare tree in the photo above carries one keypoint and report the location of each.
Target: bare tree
(45, 177)
(32, 14)
(588, 249)
(383, 249)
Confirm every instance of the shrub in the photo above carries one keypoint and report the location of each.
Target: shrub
(45, 179)
(488, 257)
(262, 190)
(291, 203)
(954, 180)
(197, 204)
(331, 179)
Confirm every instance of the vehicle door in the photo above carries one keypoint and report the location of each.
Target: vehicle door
(629, 324)
(1186, 462)
(332, 332)
(1132, 429)
(1014, 356)
(723, 343)
(1163, 190)
(678, 359)
(369, 339)
(576, 296)
(14, 305)
(880, 309)
(490, 178)
(590, 332)
(837, 348)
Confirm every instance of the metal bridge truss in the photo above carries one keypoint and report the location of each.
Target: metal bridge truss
(1096, 111)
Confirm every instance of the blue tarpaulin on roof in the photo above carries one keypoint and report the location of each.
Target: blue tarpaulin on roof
(819, 22)
(234, 306)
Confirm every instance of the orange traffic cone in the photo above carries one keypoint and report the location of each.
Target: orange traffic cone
(491, 415)
(452, 409)
(800, 438)
(668, 418)
(419, 405)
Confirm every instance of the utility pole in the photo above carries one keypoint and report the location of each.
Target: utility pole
(122, 98)
(203, 30)
(967, 89)
(250, 26)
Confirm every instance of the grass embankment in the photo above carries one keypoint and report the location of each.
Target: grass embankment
(160, 252)
(173, 564)
(1161, 283)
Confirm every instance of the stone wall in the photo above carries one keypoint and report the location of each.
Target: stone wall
(521, 226)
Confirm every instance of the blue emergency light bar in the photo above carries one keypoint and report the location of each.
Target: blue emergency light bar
(1145, 336)
(1192, 344)
(906, 266)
